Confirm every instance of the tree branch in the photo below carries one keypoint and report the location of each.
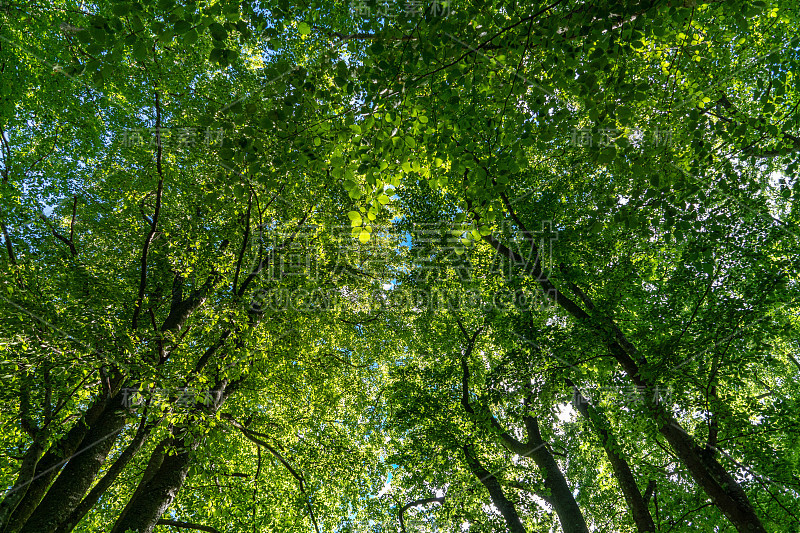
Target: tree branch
(6, 149)
(245, 239)
(487, 42)
(251, 435)
(60, 237)
(187, 525)
(496, 493)
(154, 224)
(622, 471)
(422, 501)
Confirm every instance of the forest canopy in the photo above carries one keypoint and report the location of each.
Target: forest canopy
(401, 266)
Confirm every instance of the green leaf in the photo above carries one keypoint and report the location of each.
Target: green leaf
(190, 37)
(218, 33)
(182, 26)
(141, 50)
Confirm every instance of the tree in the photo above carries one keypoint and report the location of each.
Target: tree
(331, 267)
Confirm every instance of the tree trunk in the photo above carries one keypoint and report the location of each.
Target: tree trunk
(49, 465)
(80, 472)
(622, 471)
(569, 514)
(721, 487)
(165, 475)
(105, 482)
(26, 475)
(561, 498)
(499, 499)
(155, 495)
(707, 472)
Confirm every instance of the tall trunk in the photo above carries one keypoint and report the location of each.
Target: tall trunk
(164, 476)
(105, 482)
(26, 475)
(726, 493)
(707, 472)
(499, 499)
(153, 465)
(80, 472)
(622, 472)
(569, 514)
(12, 258)
(154, 495)
(49, 465)
(561, 498)
(721, 487)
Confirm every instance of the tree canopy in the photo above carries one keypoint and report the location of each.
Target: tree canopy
(399, 266)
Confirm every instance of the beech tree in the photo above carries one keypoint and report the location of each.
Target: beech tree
(399, 266)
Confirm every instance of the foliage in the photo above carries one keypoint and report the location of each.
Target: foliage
(382, 267)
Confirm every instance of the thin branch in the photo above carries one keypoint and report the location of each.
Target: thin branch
(694, 312)
(687, 513)
(245, 239)
(72, 222)
(251, 435)
(153, 225)
(257, 270)
(187, 525)
(255, 487)
(648, 491)
(487, 42)
(58, 236)
(415, 503)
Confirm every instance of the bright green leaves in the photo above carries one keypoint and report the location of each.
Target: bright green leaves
(703, 100)
(352, 188)
(360, 228)
(450, 145)
(355, 218)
